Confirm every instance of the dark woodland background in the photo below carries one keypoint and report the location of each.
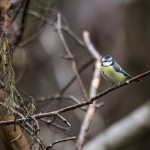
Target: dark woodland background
(120, 28)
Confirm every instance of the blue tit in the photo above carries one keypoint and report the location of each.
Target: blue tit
(112, 72)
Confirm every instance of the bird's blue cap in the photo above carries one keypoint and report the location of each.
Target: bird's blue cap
(106, 58)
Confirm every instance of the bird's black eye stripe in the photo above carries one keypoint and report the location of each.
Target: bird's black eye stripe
(112, 63)
(107, 60)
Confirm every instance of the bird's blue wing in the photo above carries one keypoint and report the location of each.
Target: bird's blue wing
(119, 69)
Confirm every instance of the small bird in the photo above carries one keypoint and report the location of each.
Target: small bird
(112, 72)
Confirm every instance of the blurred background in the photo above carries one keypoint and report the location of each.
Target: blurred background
(120, 28)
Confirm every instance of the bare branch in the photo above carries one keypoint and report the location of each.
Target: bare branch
(90, 46)
(60, 141)
(64, 120)
(73, 35)
(58, 27)
(60, 97)
(93, 91)
(50, 122)
(74, 78)
(72, 107)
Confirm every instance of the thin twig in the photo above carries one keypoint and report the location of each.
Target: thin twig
(37, 127)
(49, 122)
(60, 141)
(73, 35)
(89, 101)
(93, 91)
(81, 69)
(90, 46)
(25, 5)
(58, 27)
(27, 95)
(21, 101)
(18, 10)
(39, 30)
(17, 138)
(64, 120)
(32, 37)
(60, 97)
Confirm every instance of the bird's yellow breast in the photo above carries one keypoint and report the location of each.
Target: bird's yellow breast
(111, 75)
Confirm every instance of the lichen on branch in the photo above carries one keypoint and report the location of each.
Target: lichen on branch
(6, 72)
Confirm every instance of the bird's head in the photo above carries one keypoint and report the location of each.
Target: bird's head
(107, 60)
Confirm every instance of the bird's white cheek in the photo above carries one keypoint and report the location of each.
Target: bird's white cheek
(107, 63)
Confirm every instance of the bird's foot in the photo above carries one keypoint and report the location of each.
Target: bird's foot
(118, 84)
